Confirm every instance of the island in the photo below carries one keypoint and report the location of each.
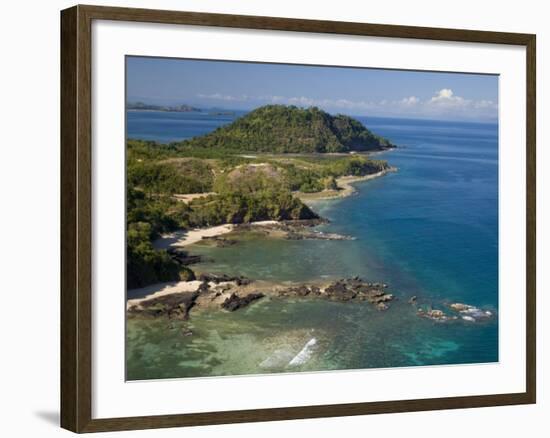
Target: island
(259, 175)
(140, 106)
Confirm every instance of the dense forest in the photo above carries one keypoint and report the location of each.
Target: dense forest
(289, 129)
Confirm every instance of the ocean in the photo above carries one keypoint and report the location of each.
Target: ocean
(429, 230)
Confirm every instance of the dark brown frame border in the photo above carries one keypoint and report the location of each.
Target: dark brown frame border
(76, 243)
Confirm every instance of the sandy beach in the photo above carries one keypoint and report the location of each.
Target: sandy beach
(346, 187)
(181, 238)
(136, 296)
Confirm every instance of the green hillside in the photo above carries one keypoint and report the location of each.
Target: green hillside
(289, 129)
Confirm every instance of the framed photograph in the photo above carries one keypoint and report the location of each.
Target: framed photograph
(269, 218)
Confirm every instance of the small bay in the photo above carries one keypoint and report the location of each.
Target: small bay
(430, 230)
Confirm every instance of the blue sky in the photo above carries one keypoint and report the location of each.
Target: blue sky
(354, 91)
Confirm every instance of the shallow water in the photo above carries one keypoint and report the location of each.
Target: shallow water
(430, 230)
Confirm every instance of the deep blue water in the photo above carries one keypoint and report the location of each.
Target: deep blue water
(166, 127)
(430, 229)
(437, 217)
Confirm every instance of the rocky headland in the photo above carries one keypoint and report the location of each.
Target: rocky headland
(231, 293)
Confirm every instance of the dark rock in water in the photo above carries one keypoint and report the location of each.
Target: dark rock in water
(221, 242)
(435, 315)
(356, 288)
(203, 287)
(382, 306)
(173, 306)
(183, 257)
(470, 313)
(302, 290)
(221, 278)
(412, 300)
(314, 290)
(235, 302)
(339, 291)
(186, 332)
(342, 290)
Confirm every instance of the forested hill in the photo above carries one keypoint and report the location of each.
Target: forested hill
(289, 129)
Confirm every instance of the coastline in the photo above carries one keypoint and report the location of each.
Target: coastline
(182, 238)
(346, 187)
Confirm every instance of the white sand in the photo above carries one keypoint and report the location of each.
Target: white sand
(181, 238)
(159, 290)
(345, 185)
(178, 239)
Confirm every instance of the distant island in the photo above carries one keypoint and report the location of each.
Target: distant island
(290, 129)
(140, 106)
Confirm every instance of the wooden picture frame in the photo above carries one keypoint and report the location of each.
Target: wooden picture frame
(76, 217)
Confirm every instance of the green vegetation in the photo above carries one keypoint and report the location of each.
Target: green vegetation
(186, 175)
(238, 207)
(238, 188)
(284, 129)
(146, 219)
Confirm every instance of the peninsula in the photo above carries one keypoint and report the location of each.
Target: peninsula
(214, 181)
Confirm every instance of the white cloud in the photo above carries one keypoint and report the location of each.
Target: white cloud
(445, 93)
(443, 104)
(225, 97)
(410, 101)
(446, 97)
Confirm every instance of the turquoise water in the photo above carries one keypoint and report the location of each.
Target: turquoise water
(430, 229)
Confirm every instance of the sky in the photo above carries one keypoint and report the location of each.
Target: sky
(352, 91)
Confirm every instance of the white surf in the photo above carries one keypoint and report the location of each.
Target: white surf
(305, 353)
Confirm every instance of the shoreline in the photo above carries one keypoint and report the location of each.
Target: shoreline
(346, 187)
(182, 238)
(223, 292)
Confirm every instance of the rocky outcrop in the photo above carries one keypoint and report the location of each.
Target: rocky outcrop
(239, 280)
(470, 313)
(235, 302)
(183, 257)
(435, 315)
(356, 288)
(462, 311)
(220, 242)
(173, 306)
(344, 290)
(302, 290)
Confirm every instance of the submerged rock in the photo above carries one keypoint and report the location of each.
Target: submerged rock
(235, 302)
(186, 332)
(435, 315)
